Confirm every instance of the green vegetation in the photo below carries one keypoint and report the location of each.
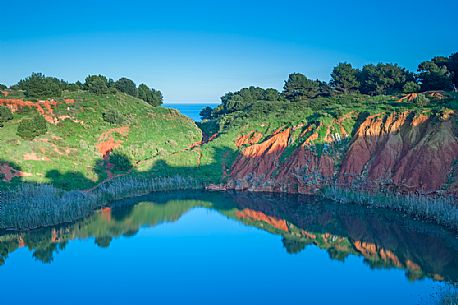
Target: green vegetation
(31, 128)
(151, 96)
(106, 130)
(113, 116)
(5, 115)
(441, 73)
(97, 84)
(127, 86)
(38, 85)
(68, 152)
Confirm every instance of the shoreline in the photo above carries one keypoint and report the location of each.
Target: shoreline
(48, 206)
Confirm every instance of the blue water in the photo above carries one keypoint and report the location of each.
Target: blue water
(190, 110)
(201, 251)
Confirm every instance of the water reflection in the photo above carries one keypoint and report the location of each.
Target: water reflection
(385, 239)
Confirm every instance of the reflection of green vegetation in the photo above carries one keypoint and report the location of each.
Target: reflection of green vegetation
(384, 239)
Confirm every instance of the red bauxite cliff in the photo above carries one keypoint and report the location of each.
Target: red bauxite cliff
(402, 152)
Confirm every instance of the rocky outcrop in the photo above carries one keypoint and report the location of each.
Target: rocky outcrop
(45, 108)
(403, 152)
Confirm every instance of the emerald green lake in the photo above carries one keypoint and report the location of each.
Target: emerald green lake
(230, 248)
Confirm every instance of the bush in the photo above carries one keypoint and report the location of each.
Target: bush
(121, 162)
(422, 100)
(3, 87)
(112, 116)
(411, 87)
(5, 115)
(30, 128)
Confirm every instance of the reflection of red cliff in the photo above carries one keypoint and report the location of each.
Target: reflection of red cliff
(260, 216)
(403, 151)
(106, 214)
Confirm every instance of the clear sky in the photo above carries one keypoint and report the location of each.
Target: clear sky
(195, 51)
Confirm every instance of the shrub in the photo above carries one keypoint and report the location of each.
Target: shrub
(112, 116)
(31, 128)
(422, 100)
(411, 87)
(121, 162)
(5, 115)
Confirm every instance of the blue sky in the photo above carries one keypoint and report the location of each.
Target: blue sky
(195, 51)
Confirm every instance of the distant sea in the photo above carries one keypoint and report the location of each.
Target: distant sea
(190, 110)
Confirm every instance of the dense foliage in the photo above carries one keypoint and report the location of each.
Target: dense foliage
(31, 128)
(151, 96)
(113, 116)
(345, 79)
(97, 84)
(127, 86)
(440, 73)
(5, 115)
(39, 85)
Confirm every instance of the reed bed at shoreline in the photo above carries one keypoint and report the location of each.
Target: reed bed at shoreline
(30, 206)
(441, 210)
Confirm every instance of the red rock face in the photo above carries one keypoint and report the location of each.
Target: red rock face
(400, 151)
(409, 154)
(257, 163)
(44, 108)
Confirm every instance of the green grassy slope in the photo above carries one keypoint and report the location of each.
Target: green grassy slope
(67, 155)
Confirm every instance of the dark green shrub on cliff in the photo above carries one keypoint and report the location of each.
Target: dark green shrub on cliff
(112, 116)
(411, 87)
(3, 87)
(5, 115)
(33, 127)
(121, 163)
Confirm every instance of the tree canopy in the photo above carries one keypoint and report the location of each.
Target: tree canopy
(434, 75)
(127, 86)
(235, 101)
(40, 86)
(344, 78)
(151, 96)
(97, 84)
(384, 79)
(298, 87)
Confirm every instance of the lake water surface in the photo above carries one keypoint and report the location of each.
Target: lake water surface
(228, 248)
